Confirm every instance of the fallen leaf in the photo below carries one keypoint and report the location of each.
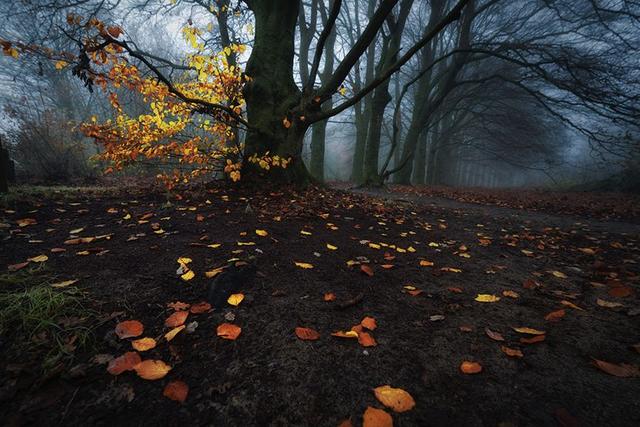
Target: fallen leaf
(622, 370)
(374, 417)
(200, 307)
(307, 334)
(331, 247)
(496, 336)
(394, 398)
(176, 390)
(213, 273)
(173, 332)
(39, 258)
(511, 352)
(555, 316)
(152, 369)
(608, 304)
(178, 305)
(126, 362)
(510, 294)
(188, 275)
(345, 334)
(487, 298)
(366, 269)
(365, 339)
(559, 274)
(571, 305)
(176, 319)
(64, 284)
(304, 265)
(262, 233)
(330, 296)
(369, 323)
(235, 299)
(533, 340)
(425, 263)
(587, 251)
(143, 344)
(620, 291)
(228, 331)
(129, 328)
(470, 367)
(530, 331)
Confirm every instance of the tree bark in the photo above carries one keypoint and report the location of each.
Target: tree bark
(271, 93)
(4, 169)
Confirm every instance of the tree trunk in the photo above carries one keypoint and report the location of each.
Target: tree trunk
(4, 169)
(419, 162)
(271, 93)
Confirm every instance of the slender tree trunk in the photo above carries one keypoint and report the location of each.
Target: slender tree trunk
(420, 159)
(4, 169)
(271, 92)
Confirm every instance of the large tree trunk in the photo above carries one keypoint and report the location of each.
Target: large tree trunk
(271, 93)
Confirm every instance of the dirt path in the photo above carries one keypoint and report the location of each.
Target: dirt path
(426, 263)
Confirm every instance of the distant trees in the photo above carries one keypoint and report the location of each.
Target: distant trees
(431, 87)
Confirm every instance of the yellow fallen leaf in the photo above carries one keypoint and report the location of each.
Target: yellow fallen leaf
(487, 298)
(172, 333)
(188, 275)
(559, 274)
(39, 258)
(331, 247)
(304, 265)
(347, 334)
(262, 233)
(184, 260)
(64, 284)
(143, 344)
(235, 299)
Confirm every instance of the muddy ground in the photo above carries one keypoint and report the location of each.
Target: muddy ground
(583, 265)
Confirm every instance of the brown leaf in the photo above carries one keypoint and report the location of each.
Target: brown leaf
(555, 316)
(176, 390)
(622, 370)
(129, 328)
(620, 291)
(496, 336)
(19, 266)
(366, 269)
(200, 307)
(330, 296)
(307, 334)
(511, 352)
(178, 305)
(126, 362)
(143, 344)
(533, 340)
(366, 340)
(176, 319)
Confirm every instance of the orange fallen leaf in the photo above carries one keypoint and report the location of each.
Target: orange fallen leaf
(394, 398)
(345, 334)
(346, 423)
(176, 319)
(172, 333)
(620, 291)
(330, 296)
(369, 323)
(176, 390)
(366, 340)
(387, 266)
(511, 352)
(228, 331)
(425, 263)
(200, 307)
(374, 417)
(199, 217)
(152, 369)
(303, 265)
(533, 340)
(143, 344)
(129, 328)
(454, 290)
(415, 292)
(126, 362)
(470, 367)
(366, 269)
(555, 316)
(622, 370)
(307, 334)
(571, 305)
(510, 294)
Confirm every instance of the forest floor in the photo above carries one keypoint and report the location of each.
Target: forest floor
(543, 295)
